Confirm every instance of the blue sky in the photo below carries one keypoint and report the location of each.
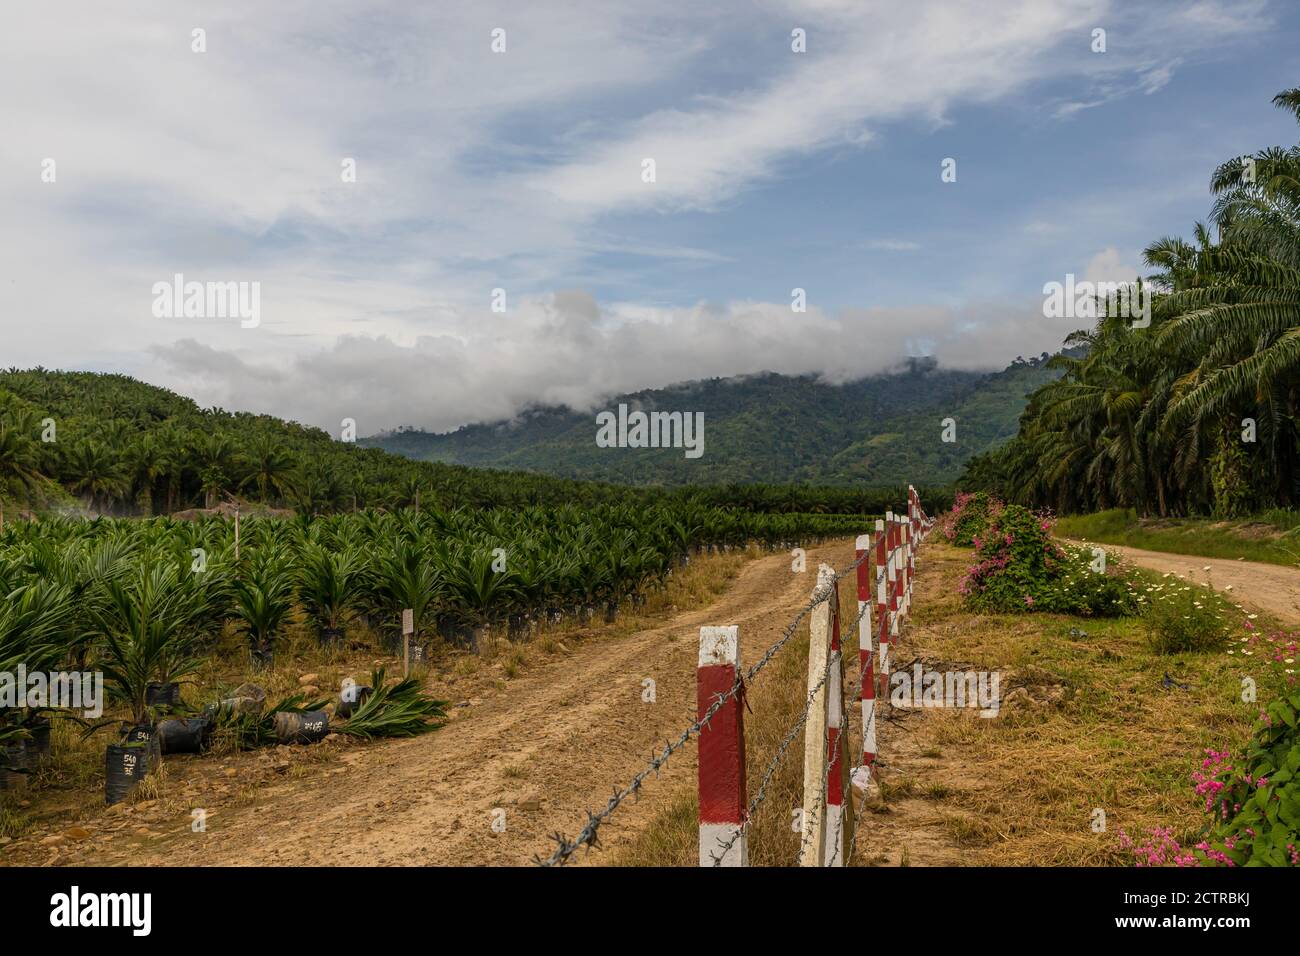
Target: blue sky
(1037, 194)
(520, 170)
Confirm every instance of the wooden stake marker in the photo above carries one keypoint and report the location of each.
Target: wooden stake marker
(408, 628)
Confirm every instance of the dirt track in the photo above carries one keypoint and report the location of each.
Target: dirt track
(1271, 588)
(568, 730)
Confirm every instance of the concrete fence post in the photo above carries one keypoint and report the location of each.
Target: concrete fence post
(721, 750)
(866, 662)
(815, 763)
(882, 608)
(839, 814)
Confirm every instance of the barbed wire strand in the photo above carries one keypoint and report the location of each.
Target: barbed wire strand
(802, 719)
(588, 836)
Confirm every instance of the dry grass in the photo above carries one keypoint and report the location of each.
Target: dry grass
(1089, 725)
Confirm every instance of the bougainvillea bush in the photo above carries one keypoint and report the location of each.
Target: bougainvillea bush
(1018, 567)
(1253, 802)
(968, 518)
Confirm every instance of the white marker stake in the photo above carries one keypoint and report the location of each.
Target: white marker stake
(408, 628)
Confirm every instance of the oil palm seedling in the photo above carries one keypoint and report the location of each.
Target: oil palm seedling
(37, 631)
(144, 624)
(263, 599)
(406, 577)
(329, 584)
(479, 584)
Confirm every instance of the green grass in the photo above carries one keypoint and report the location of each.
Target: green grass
(1272, 537)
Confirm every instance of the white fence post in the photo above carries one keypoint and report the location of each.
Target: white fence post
(839, 815)
(813, 837)
(866, 663)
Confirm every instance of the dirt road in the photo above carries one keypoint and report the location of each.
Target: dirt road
(1271, 588)
(568, 730)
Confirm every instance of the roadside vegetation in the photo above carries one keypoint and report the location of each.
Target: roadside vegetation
(1099, 742)
(1272, 537)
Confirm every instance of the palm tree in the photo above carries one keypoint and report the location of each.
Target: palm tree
(19, 463)
(1135, 420)
(94, 472)
(269, 467)
(215, 462)
(144, 465)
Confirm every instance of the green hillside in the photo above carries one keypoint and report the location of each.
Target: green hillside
(125, 447)
(883, 430)
(110, 444)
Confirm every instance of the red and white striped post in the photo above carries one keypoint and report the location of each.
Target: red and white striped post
(721, 749)
(866, 663)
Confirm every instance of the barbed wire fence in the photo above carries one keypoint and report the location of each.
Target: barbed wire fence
(727, 813)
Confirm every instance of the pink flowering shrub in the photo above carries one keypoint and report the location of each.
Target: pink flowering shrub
(1158, 848)
(969, 517)
(1253, 802)
(1018, 567)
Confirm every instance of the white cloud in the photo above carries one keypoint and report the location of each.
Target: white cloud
(565, 349)
(1107, 266)
(476, 171)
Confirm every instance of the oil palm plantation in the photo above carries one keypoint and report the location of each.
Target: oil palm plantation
(1198, 413)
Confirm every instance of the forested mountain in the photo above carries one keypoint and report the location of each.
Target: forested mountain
(1197, 413)
(112, 444)
(881, 430)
